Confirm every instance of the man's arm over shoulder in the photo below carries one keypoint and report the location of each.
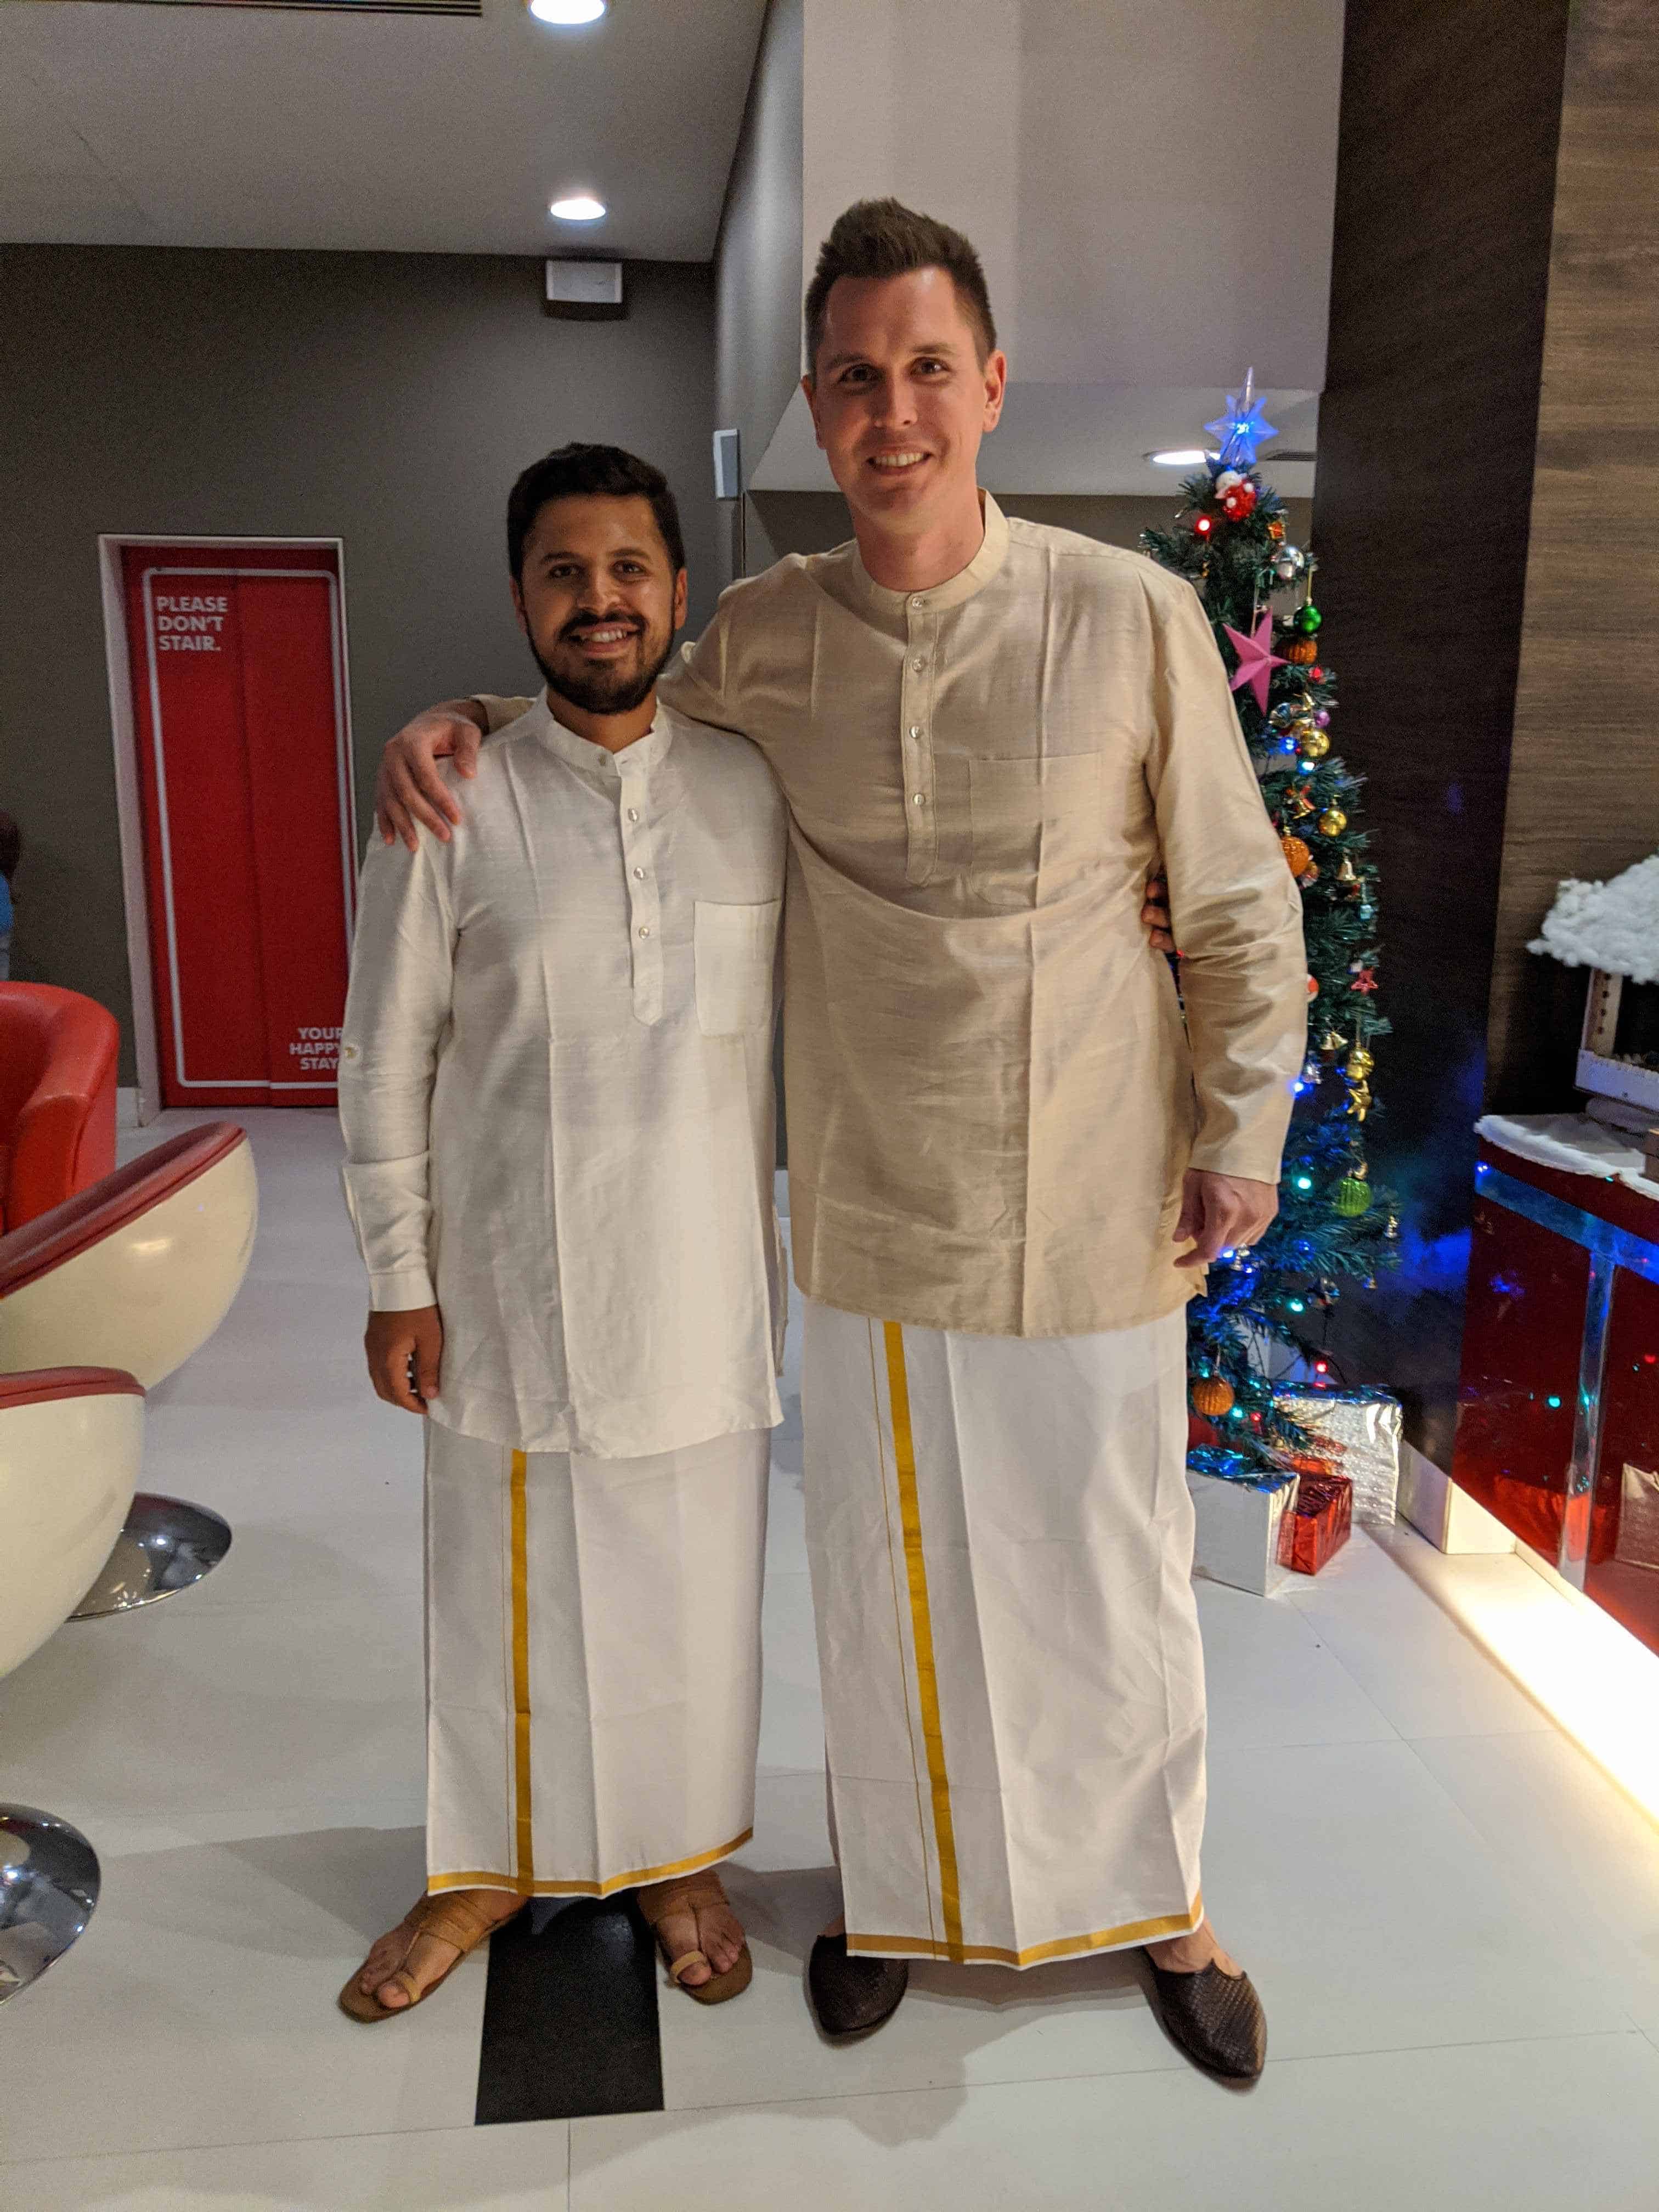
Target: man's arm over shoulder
(1237, 914)
(410, 792)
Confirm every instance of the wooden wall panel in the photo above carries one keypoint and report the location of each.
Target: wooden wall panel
(1446, 190)
(1583, 796)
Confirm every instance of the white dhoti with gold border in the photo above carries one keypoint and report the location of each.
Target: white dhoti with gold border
(1002, 1538)
(594, 1661)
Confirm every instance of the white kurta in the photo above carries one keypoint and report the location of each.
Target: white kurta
(555, 1084)
(1000, 1538)
(594, 1662)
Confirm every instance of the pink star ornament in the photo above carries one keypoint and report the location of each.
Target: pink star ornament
(1256, 658)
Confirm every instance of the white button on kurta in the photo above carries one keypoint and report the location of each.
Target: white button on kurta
(556, 1089)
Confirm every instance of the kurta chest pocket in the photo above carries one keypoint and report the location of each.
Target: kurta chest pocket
(1037, 825)
(734, 949)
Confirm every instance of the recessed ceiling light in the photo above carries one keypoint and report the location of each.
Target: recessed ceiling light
(580, 207)
(568, 12)
(1180, 457)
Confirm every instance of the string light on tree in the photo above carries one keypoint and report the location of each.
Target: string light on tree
(1230, 540)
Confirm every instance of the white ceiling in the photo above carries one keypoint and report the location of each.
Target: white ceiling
(153, 125)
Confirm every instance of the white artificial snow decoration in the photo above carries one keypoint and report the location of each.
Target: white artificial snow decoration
(1613, 927)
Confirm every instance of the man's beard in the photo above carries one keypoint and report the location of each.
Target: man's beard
(604, 690)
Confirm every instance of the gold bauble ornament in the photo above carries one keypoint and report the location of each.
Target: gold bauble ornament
(1359, 1063)
(1316, 745)
(1333, 822)
(1211, 1395)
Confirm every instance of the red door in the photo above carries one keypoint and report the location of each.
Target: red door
(238, 690)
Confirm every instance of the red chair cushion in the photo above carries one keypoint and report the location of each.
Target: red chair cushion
(39, 1386)
(91, 1215)
(58, 1065)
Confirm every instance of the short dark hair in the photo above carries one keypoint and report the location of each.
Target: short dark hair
(882, 238)
(577, 471)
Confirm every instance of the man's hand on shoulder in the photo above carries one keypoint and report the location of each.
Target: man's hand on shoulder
(1223, 1212)
(409, 790)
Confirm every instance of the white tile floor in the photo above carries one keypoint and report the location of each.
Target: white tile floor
(1453, 1917)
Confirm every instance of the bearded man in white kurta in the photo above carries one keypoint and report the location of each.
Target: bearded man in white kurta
(556, 1086)
(1009, 1157)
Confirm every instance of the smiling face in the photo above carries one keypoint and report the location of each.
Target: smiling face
(599, 601)
(900, 399)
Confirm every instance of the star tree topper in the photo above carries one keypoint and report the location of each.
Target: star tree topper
(1241, 428)
(1256, 658)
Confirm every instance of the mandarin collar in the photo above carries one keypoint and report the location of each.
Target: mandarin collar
(985, 564)
(645, 754)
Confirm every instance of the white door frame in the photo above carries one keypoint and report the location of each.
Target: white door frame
(124, 729)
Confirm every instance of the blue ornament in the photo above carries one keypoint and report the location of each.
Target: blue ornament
(1240, 429)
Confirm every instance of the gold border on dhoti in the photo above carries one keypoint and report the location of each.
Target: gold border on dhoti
(523, 1821)
(1064, 1947)
(921, 1637)
(485, 1879)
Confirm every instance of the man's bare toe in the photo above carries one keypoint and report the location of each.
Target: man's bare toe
(678, 1934)
(721, 1937)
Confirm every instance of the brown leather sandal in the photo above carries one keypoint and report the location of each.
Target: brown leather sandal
(657, 1900)
(455, 1920)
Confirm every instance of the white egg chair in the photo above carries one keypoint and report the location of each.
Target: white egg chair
(71, 1443)
(136, 1272)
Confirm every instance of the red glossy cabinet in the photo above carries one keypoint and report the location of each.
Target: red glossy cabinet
(1557, 1429)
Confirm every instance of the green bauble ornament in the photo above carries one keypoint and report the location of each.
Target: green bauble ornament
(1308, 619)
(1352, 1197)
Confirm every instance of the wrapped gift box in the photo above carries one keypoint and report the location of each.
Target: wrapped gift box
(1359, 1431)
(1319, 1521)
(1243, 1528)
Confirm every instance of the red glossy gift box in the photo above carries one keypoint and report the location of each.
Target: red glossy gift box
(1320, 1521)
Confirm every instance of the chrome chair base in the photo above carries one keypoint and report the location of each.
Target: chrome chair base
(166, 1546)
(48, 1887)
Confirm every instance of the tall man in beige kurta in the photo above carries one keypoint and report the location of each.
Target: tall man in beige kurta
(1007, 1150)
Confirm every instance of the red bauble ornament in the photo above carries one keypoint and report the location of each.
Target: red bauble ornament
(1313, 987)
(1238, 501)
(1200, 1431)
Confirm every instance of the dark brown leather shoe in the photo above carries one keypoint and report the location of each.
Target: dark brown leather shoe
(853, 1995)
(1216, 2018)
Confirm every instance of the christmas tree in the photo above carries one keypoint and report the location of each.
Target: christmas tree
(1334, 1227)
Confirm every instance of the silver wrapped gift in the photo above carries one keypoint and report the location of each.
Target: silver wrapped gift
(1362, 1429)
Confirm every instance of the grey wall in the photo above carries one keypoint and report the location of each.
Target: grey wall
(758, 279)
(388, 399)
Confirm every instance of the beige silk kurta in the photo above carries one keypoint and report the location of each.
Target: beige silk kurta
(992, 1097)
